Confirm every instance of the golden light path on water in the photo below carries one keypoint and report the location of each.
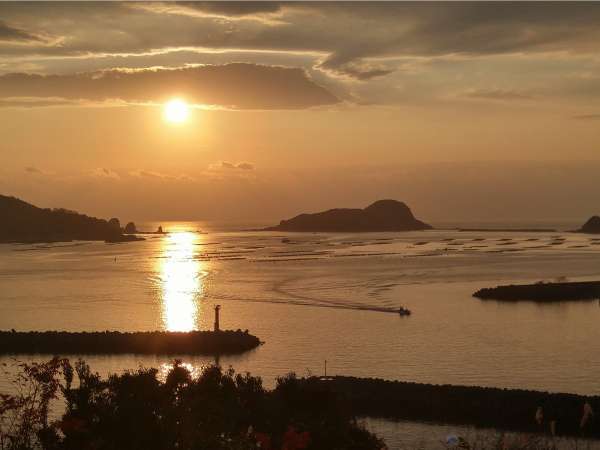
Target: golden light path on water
(181, 279)
(182, 288)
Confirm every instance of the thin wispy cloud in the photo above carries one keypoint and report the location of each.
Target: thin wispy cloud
(102, 172)
(497, 94)
(226, 165)
(154, 175)
(150, 174)
(33, 170)
(587, 117)
(263, 12)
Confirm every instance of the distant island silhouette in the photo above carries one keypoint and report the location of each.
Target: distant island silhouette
(592, 226)
(383, 215)
(25, 223)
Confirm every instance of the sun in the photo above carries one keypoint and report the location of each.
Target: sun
(176, 111)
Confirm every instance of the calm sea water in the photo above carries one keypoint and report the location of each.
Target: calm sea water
(314, 297)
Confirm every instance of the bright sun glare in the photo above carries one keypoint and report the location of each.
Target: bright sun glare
(176, 111)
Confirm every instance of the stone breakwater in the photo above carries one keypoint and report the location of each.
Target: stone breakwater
(115, 342)
(542, 292)
(504, 409)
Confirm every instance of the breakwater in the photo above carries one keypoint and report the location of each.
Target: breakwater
(508, 409)
(114, 342)
(543, 292)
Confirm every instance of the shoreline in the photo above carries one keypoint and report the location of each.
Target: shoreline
(122, 239)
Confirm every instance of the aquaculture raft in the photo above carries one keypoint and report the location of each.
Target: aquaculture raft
(115, 342)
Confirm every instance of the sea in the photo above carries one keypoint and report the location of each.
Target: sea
(326, 303)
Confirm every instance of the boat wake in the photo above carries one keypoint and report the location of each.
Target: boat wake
(316, 304)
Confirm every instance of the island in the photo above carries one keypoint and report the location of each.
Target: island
(542, 291)
(23, 222)
(383, 215)
(219, 342)
(592, 226)
(130, 228)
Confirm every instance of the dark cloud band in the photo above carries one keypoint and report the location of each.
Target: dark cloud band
(9, 33)
(238, 86)
(349, 33)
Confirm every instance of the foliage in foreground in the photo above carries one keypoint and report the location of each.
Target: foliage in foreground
(518, 441)
(135, 410)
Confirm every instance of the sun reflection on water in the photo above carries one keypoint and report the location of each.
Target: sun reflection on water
(181, 280)
(195, 369)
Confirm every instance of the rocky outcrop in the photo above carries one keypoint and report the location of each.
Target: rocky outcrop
(114, 224)
(130, 228)
(592, 226)
(383, 215)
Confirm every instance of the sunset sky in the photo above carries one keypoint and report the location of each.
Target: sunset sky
(466, 111)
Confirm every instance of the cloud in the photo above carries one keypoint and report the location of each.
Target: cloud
(9, 33)
(356, 69)
(149, 174)
(230, 171)
(184, 177)
(37, 171)
(102, 172)
(225, 165)
(34, 102)
(229, 10)
(587, 117)
(141, 173)
(325, 29)
(497, 94)
(236, 86)
(335, 42)
(235, 8)
(245, 166)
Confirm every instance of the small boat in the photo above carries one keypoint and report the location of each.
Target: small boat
(404, 311)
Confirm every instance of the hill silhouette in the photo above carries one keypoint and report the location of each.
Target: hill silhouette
(26, 223)
(383, 215)
(591, 226)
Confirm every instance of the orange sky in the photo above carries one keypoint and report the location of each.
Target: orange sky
(466, 111)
